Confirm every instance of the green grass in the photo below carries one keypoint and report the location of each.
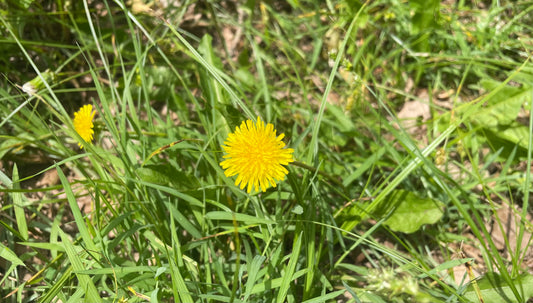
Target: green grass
(375, 210)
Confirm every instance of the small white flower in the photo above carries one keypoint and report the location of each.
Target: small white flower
(29, 89)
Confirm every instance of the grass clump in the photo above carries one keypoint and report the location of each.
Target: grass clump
(408, 122)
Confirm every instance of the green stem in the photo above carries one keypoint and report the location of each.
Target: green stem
(315, 170)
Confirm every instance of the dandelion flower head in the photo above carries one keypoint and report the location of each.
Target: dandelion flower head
(83, 123)
(256, 155)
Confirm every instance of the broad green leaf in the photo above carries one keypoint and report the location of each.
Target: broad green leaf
(425, 14)
(504, 106)
(153, 296)
(494, 289)
(498, 118)
(412, 211)
(508, 137)
(424, 21)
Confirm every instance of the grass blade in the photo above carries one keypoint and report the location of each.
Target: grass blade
(84, 282)
(19, 206)
(78, 217)
(288, 275)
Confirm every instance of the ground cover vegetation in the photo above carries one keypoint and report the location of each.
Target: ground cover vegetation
(266, 151)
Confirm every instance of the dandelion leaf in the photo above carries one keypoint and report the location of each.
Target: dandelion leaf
(494, 289)
(406, 212)
(409, 211)
(504, 106)
(498, 121)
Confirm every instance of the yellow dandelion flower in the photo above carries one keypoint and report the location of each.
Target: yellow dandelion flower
(83, 123)
(256, 155)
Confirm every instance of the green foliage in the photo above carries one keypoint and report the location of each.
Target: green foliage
(498, 120)
(410, 212)
(494, 289)
(377, 207)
